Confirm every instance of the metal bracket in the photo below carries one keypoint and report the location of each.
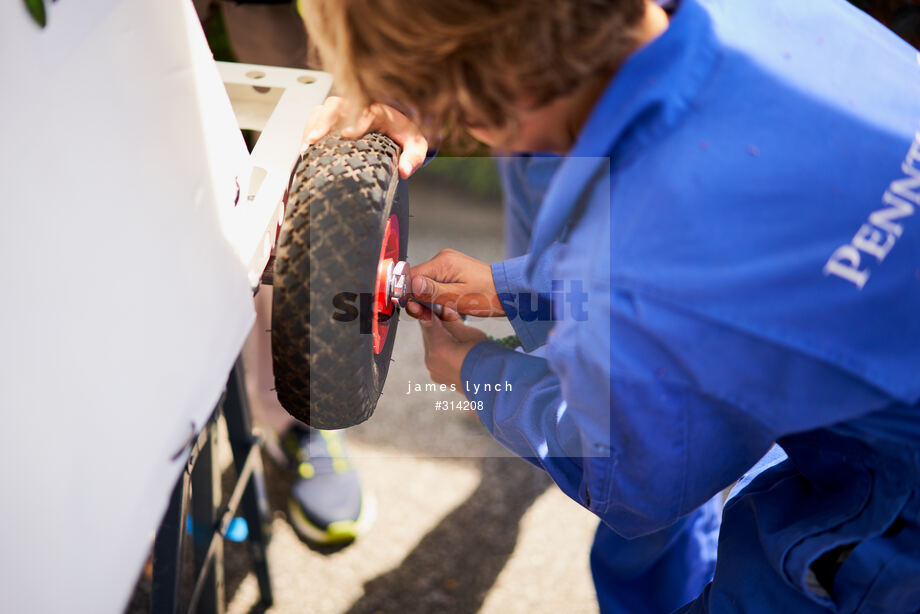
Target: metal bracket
(195, 502)
(275, 102)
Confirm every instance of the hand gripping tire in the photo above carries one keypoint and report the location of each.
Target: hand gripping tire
(332, 334)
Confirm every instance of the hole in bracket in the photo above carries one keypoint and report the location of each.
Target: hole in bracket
(255, 74)
(307, 79)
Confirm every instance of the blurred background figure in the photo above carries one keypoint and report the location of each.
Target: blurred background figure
(270, 32)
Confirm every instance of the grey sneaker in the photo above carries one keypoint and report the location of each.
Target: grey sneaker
(326, 505)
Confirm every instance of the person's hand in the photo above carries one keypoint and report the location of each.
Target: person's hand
(447, 342)
(457, 281)
(335, 111)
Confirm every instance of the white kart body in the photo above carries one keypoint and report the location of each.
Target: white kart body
(128, 264)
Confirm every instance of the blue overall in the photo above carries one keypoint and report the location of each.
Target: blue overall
(652, 574)
(740, 212)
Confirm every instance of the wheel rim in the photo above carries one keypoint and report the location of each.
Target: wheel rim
(383, 306)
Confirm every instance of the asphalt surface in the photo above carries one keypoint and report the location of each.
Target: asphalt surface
(461, 526)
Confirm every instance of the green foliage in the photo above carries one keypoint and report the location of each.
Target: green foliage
(477, 175)
(36, 9)
(218, 40)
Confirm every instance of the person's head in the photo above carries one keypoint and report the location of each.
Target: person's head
(504, 70)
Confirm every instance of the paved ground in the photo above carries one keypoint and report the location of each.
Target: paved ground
(461, 527)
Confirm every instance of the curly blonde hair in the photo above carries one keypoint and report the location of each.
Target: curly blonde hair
(468, 62)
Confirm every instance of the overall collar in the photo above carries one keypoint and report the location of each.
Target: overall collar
(647, 97)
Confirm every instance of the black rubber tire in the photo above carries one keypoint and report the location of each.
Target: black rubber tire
(341, 195)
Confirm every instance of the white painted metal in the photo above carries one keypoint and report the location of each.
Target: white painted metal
(275, 101)
(126, 277)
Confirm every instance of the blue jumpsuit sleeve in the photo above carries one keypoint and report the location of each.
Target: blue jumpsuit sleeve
(643, 431)
(530, 419)
(526, 301)
(630, 467)
(626, 434)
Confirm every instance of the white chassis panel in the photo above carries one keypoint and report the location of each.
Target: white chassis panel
(126, 275)
(275, 101)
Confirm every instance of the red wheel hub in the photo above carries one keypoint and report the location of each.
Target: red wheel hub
(383, 306)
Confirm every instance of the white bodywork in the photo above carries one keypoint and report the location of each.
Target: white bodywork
(127, 276)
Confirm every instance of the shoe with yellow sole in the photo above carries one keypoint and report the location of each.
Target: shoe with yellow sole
(327, 505)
